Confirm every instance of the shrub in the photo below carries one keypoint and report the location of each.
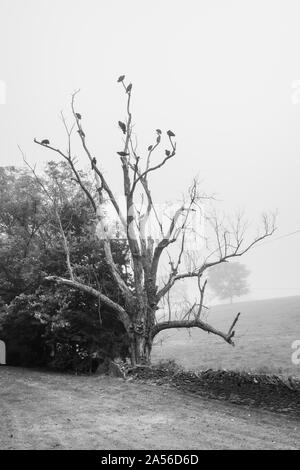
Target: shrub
(61, 329)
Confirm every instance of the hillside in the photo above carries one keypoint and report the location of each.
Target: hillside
(264, 335)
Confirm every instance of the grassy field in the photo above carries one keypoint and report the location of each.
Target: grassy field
(41, 410)
(264, 334)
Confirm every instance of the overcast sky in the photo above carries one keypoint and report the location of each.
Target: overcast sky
(224, 75)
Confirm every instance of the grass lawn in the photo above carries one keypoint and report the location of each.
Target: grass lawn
(41, 410)
(264, 334)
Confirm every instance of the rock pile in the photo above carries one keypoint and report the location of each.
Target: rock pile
(270, 392)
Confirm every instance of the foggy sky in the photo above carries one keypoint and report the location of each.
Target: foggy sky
(223, 75)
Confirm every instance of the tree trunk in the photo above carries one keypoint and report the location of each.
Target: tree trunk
(140, 349)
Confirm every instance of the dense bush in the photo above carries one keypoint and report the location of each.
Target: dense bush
(23, 335)
(43, 324)
(61, 329)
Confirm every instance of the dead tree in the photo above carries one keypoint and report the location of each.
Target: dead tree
(143, 300)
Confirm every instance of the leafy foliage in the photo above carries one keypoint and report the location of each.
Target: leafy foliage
(42, 324)
(62, 329)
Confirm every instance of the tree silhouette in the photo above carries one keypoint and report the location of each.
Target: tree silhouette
(229, 280)
(141, 316)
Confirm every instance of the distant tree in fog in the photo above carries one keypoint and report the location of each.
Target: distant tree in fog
(229, 280)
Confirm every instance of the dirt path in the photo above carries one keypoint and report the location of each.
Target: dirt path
(52, 411)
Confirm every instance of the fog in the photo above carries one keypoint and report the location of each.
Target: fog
(223, 75)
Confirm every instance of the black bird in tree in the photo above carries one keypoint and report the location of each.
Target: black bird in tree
(78, 116)
(45, 142)
(123, 154)
(94, 162)
(158, 131)
(121, 78)
(80, 132)
(171, 134)
(122, 126)
(129, 88)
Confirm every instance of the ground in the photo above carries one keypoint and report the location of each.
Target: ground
(41, 410)
(264, 336)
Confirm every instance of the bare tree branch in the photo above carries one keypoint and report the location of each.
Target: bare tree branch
(226, 253)
(62, 232)
(196, 323)
(122, 315)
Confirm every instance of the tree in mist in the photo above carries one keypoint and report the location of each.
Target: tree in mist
(139, 308)
(229, 280)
